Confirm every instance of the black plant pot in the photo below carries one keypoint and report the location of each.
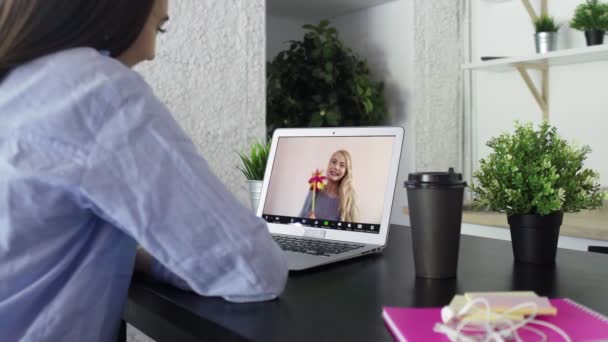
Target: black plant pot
(595, 37)
(534, 237)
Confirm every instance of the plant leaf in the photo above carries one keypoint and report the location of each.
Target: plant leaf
(316, 120)
(333, 118)
(319, 73)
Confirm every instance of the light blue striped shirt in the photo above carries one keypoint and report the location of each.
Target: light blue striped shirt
(91, 164)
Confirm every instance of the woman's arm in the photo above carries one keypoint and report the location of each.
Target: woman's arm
(145, 176)
(147, 265)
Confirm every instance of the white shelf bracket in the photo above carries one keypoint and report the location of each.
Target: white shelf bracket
(532, 12)
(541, 96)
(545, 91)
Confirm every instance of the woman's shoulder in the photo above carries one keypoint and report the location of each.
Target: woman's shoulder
(79, 68)
(78, 86)
(82, 60)
(87, 74)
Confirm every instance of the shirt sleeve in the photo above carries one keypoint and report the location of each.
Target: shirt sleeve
(159, 272)
(145, 176)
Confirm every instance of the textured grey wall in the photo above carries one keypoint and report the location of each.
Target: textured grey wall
(437, 88)
(210, 71)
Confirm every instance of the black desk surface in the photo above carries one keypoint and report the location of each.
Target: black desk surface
(343, 301)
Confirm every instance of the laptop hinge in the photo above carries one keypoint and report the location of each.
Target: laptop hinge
(314, 233)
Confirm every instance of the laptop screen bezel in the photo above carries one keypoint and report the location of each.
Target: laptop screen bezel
(332, 234)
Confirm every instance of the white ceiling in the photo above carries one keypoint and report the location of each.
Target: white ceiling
(317, 9)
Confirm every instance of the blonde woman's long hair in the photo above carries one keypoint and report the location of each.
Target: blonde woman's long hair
(346, 191)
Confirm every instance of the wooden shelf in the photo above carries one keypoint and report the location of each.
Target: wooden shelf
(562, 57)
(318, 9)
(590, 224)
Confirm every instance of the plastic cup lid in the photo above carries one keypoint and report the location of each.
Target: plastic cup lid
(449, 178)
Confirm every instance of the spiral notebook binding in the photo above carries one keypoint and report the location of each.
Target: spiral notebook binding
(591, 312)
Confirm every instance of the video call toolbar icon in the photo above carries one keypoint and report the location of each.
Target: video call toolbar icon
(322, 223)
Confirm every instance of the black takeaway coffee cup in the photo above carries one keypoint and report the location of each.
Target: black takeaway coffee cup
(435, 204)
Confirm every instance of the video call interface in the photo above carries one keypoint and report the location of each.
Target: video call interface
(329, 182)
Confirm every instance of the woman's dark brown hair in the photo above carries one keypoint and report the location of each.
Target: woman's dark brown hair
(33, 28)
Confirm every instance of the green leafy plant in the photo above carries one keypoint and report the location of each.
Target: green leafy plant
(545, 23)
(536, 172)
(591, 15)
(605, 195)
(319, 82)
(254, 163)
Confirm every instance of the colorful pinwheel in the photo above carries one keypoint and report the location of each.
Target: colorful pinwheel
(316, 184)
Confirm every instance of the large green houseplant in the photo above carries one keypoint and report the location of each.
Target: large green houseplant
(534, 176)
(319, 82)
(592, 18)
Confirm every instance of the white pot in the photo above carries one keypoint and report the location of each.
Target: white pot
(255, 191)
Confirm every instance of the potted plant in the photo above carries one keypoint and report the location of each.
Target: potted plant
(592, 18)
(546, 34)
(254, 166)
(535, 176)
(319, 82)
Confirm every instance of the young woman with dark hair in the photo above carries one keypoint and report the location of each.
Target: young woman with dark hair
(123, 29)
(92, 165)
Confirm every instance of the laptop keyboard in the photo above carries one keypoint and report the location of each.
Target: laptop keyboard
(313, 247)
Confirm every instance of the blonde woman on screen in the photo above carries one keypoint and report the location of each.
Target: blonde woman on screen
(338, 200)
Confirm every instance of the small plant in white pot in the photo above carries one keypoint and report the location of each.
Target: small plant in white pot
(535, 176)
(591, 17)
(254, 166)
(546, 34)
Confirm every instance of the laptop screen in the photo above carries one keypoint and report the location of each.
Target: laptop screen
(329, 182)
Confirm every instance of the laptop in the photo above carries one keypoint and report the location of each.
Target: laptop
(328, 192)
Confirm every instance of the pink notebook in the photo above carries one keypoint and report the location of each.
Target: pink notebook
(579, 322)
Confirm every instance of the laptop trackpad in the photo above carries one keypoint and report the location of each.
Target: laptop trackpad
(314, 233)
(301, 261)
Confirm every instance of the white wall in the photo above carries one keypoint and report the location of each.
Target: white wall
(577, 92)
(210, 71)
(384, 36)
(438, 56)
(280, 31)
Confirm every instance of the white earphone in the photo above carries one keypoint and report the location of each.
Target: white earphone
(495, 328)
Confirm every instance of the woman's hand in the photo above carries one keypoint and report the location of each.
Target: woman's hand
(311, 215)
